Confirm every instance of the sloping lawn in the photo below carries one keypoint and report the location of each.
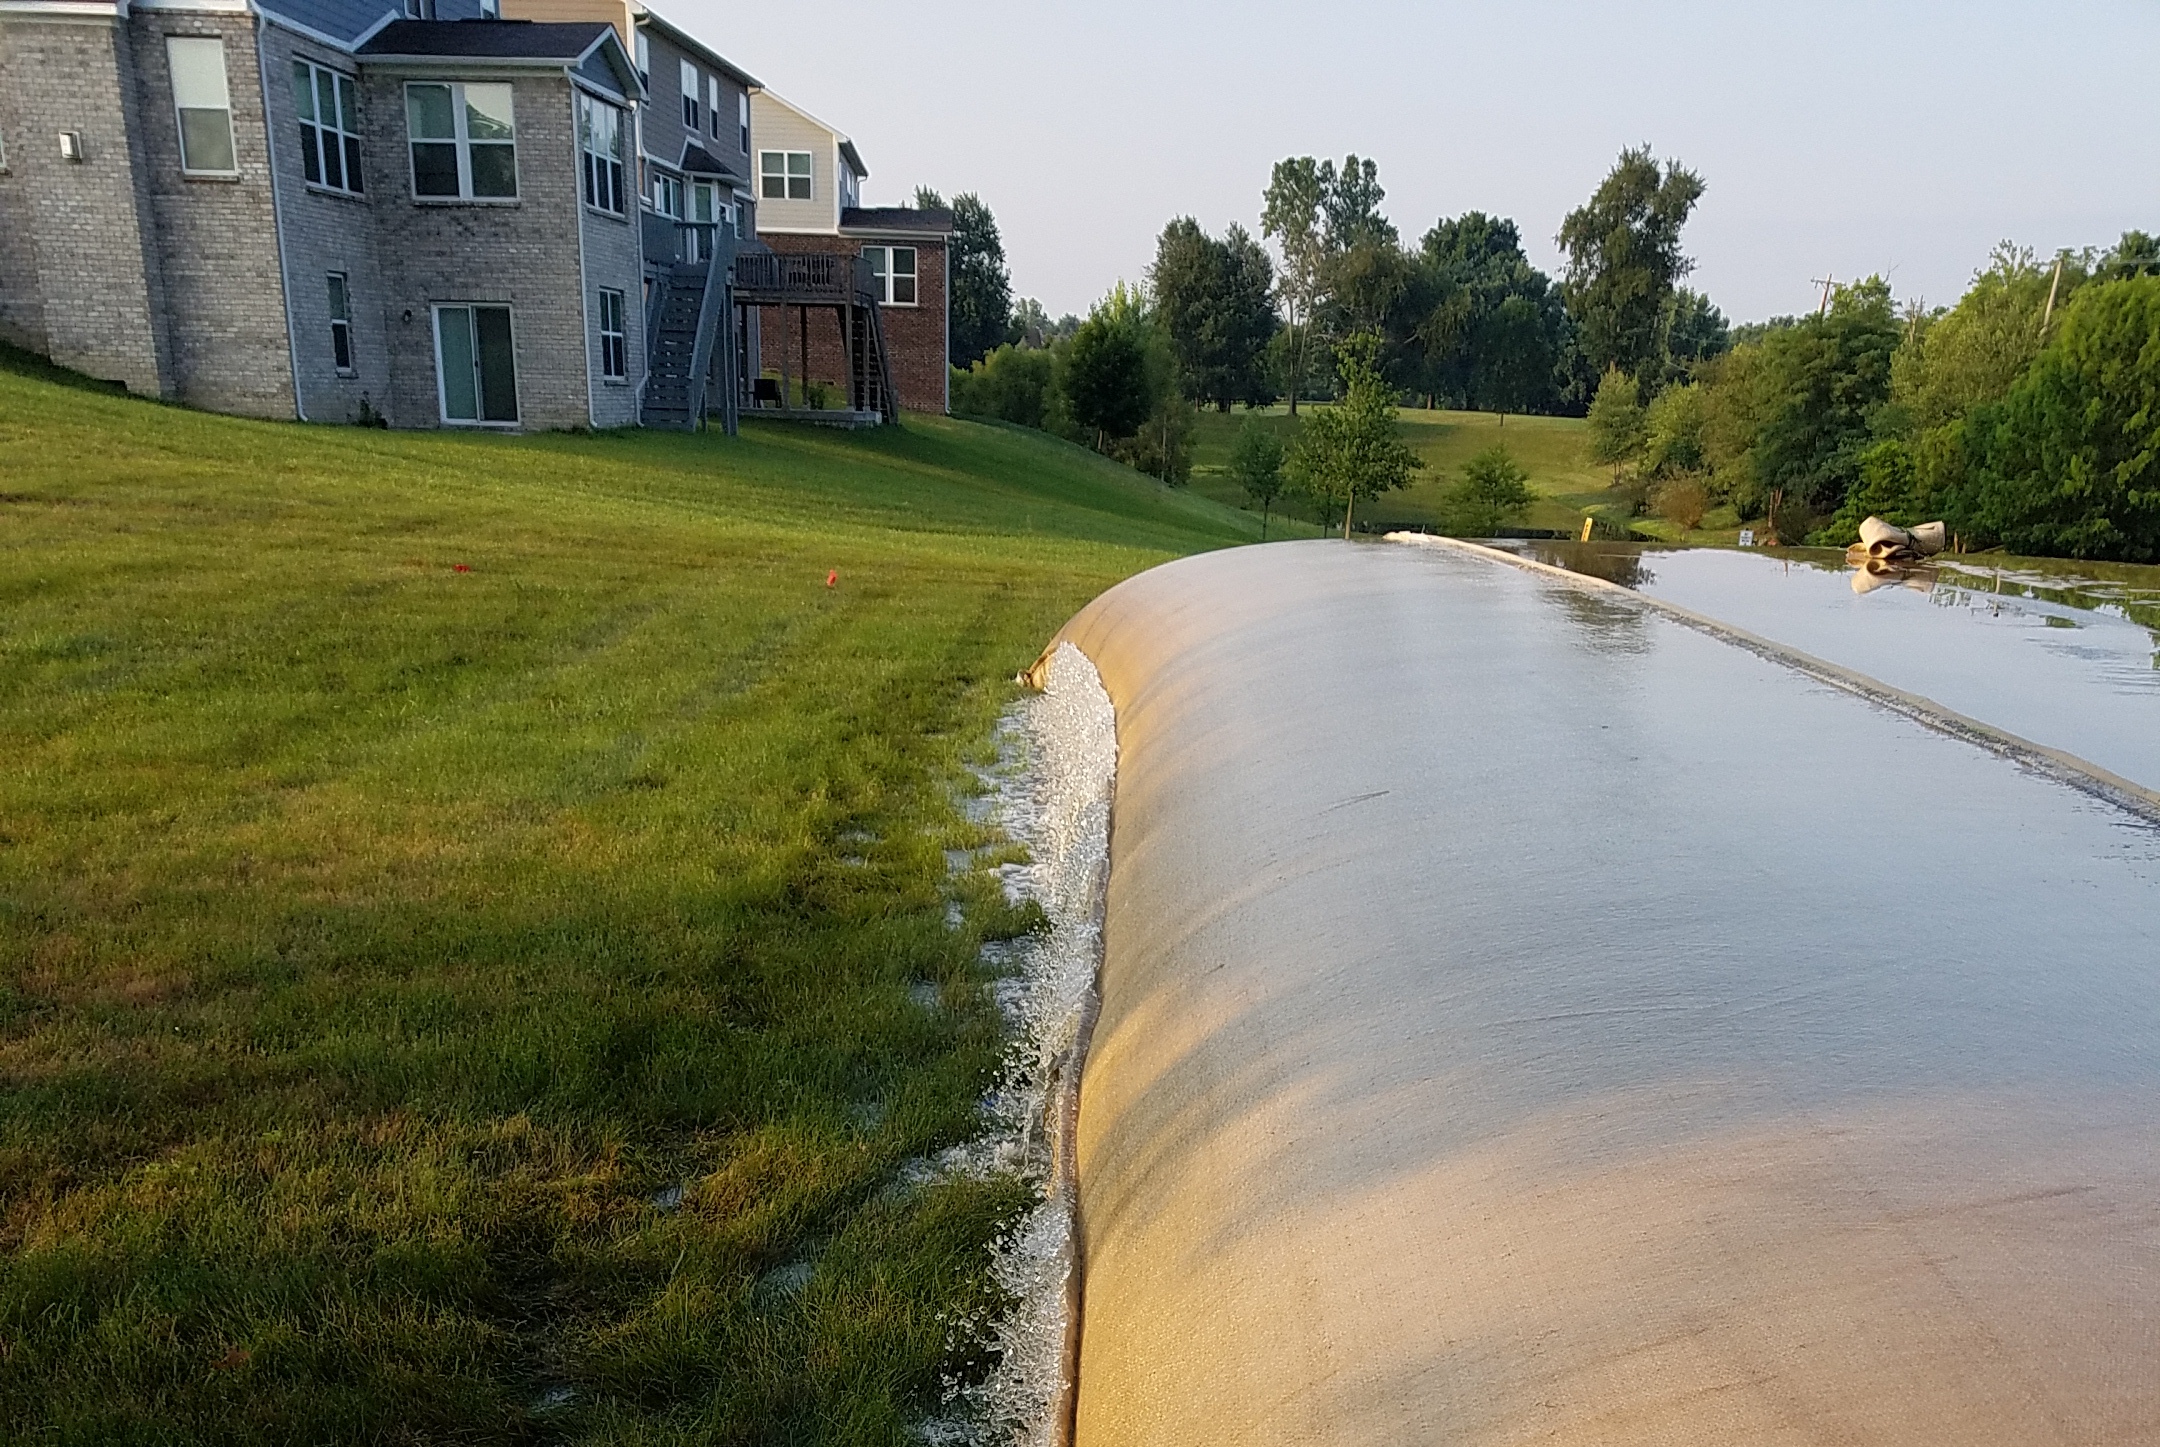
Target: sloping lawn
(466, 905)
(1553, 450)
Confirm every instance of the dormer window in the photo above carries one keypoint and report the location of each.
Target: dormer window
(691, 115)
(784, 175)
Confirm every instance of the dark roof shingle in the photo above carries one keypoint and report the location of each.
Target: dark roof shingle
(895, 218)
(486, 39)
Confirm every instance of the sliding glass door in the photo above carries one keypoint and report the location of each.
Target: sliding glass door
(476, 364)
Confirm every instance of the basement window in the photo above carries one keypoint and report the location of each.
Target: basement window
(329, 107)
(464, 141)
(784, 175)
(202, 104)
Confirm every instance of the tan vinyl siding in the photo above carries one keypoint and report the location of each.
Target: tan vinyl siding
(613, 12)
(777, 127)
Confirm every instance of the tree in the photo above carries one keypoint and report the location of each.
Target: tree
(1012, 384)
(1822, 386)
(1291, 216)
(1493, 492)
(1951, 362)
(1695, 332)
(1106, 368)
(1350, 450)
(1211, 299)
(1256, 461)
(1488, 327)
(2137, 254)
(1673, 427)
(980, 298)
(2069, 462)
(1616, 421)
(1623, 253)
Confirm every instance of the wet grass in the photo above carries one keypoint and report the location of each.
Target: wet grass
(460, 899)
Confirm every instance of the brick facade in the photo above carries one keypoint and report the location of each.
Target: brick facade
(915, 336)
(94, 296)
(216, 240)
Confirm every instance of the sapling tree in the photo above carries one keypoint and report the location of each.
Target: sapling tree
(1256, 461)
(1351, 450)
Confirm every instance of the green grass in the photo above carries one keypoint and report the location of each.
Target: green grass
(419, 852)
(1551, 449)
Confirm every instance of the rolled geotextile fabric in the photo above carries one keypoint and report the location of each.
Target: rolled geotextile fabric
(1510, 1032)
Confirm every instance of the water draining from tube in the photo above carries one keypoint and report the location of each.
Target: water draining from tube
(1050, 792)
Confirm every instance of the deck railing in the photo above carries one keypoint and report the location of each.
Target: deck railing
(812, 275)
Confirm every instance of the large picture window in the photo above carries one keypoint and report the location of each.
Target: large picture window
(476, 364)
(614, 341)
(894, 268)
(784, 175)
(329, 106)
(600, 147)
(464, 141)
(202, 104)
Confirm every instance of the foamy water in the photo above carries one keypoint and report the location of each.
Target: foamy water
(1050, 791)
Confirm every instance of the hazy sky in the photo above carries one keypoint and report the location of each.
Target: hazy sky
(1836, 138)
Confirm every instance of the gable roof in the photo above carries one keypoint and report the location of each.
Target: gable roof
(847, 147)
(697, 161)
(512, 42)
(683, 38)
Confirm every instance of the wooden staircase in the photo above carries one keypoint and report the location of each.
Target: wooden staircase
(690, 358)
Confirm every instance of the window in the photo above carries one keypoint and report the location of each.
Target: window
(644, 57)
(329, 106)
(600, 148)
(475, 364)
(784, 175)
(667, 197)
(894, 268)
(491, 9)
(690, 116)
(464, 141)
(614, 342)
(712, 105)
(203, 104)
(341, 324)
(742, 119)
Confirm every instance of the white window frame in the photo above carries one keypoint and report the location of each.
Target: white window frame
(603, 177)
(742, 119)
(882, 266)
(343, 87)
(442, 396)
(644, 57)
(615, 340)
(667, 187)
(461, 138)
(176, 46)
(787, 175)
(339, 287)
(692, 105)
(712, 106)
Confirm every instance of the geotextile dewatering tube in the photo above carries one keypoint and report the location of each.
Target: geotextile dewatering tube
(1478, 1057)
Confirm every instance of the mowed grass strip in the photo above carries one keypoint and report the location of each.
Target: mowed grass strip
(1553, 450)
(465, 906)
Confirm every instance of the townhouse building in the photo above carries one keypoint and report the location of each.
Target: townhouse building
(433, 215)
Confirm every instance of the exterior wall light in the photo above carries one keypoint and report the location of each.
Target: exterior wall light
(71, 146)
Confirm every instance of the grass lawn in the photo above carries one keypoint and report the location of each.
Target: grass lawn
(466, 904)
(1551, 449)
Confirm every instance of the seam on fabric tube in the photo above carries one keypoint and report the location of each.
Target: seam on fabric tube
(2065, 768)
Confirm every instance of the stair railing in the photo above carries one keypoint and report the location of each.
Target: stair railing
(721, 251)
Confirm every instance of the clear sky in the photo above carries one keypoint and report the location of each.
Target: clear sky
(1836, 138)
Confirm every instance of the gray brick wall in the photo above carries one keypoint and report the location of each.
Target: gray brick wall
(22, 307)
(216, 239)
(326, 232)
(94, 291)
(522, 253)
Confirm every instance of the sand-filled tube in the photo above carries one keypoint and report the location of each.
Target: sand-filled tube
(1498, 1040)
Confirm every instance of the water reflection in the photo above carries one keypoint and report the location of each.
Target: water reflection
(2064, 653)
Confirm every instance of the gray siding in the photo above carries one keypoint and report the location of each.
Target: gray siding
(216, 239)
(612, 260)
(325, 232)
(664, 129)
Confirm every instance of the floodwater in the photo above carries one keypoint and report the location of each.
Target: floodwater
(1525, 1016)
(2063, 654)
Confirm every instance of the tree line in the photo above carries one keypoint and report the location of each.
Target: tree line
(2027, 415)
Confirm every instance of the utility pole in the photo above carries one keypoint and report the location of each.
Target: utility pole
(1825, 282)
(2052, 286)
